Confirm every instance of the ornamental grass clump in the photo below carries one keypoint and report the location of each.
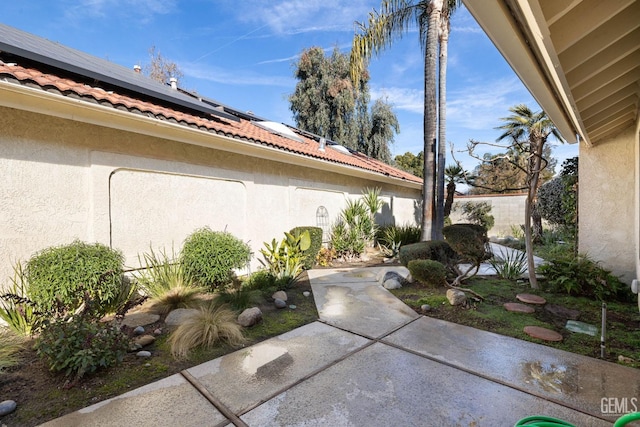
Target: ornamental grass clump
(212, 323)
(60, 276)
(209, 257)
(165, 281)
(10, 344)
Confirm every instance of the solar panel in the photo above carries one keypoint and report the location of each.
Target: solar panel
(38, 49)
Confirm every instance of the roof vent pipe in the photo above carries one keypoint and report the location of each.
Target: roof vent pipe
(174, 83)
(323, 142)
(137, 68)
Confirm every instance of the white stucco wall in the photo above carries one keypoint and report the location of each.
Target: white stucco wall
(507, 210)
(608, 203)
(63, 180)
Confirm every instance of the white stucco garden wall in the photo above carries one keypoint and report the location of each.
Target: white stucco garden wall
(608, 203)
(507, 210)
(65, 180)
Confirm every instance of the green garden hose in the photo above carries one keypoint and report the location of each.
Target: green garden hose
(542, 421)
(625, 419)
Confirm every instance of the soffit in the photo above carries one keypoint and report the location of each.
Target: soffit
(580, 59)
(597, 44)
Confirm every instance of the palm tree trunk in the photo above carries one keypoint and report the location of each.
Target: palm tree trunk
(442, 126)
(528, 241)
(430, 120)
(448, 204)
(534, 173)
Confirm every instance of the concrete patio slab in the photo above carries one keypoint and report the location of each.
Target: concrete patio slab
(573, 380)
(354, 300)
(170, 401)
(244, 379)
(385, 386)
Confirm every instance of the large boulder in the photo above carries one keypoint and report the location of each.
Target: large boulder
(250, 317)
(456, 297)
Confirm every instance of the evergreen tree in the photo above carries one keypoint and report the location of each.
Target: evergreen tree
(383, 125)
(325, 102)
(411, 163)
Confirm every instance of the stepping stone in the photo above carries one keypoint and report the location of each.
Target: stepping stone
(516, 307)
(531, 299)
(542, 333)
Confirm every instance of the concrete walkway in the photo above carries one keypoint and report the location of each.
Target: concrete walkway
(371, 361)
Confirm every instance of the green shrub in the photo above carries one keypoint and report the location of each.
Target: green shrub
(406, 234)
(469, 241)
(428, 272)
(315, 233)
(80, 346)
(209, 257)
(579, 275)
(60, 276)
(478, 213)
(436, 250)
(266, 283)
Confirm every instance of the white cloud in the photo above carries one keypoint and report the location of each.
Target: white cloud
(480, 106)
(288, 17)
(233, 77)
(406, 99)
(140, 10)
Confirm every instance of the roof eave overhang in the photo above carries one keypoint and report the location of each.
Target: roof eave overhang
(525, 44)
(42, 102)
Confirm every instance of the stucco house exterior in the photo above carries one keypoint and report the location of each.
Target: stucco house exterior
(580, 60)
(94, 151)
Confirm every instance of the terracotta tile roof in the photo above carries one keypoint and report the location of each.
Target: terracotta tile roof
(243, 129)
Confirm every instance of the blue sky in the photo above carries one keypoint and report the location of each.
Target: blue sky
(241, 53)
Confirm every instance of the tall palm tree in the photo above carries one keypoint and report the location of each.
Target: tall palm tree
(529, 131)
(384, 27)
(455, 175)
(448, 8)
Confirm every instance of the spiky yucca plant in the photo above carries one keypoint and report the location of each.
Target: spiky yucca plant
(210, 324)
